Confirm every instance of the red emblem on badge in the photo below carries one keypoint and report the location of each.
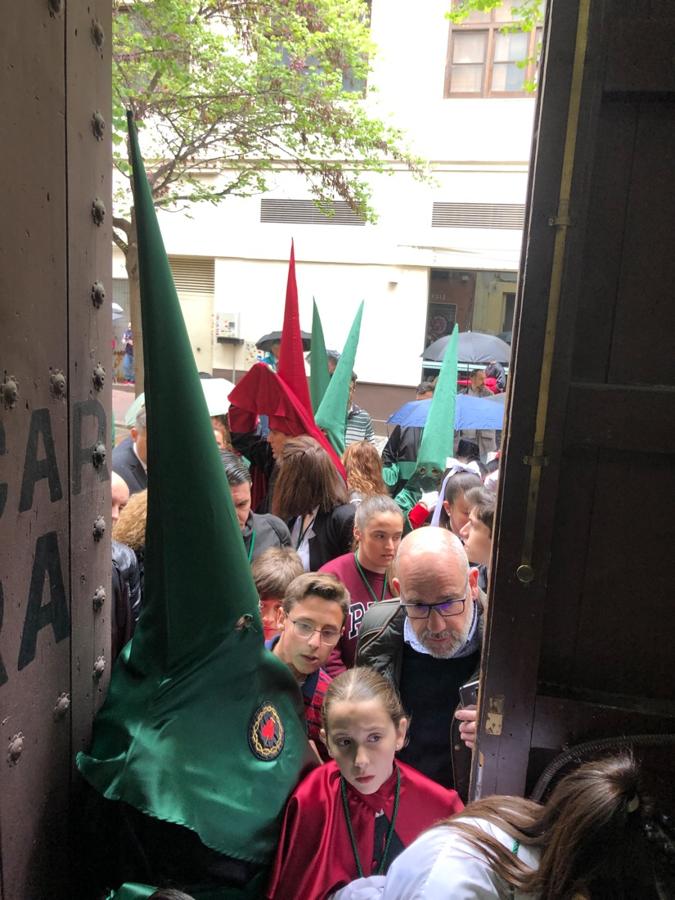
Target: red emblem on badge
(266, 733)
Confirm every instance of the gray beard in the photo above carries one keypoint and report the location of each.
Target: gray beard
(447, 652)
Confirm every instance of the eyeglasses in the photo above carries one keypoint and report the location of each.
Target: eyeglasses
(306, 630)
(451, 606)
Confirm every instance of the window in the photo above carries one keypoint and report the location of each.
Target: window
(484, 60)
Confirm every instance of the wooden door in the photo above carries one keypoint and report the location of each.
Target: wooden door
(55, 333)
(581, 632)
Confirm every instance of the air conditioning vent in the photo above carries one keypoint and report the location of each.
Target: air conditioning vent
(196, 274)
(305, 212)
(478, 215)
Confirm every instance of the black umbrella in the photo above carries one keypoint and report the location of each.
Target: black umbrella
(473, 347)
(266, 341)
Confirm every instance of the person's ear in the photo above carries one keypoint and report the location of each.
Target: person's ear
(133, 432)
(324, 738)
(473, 582)
(401, 732)
(281, 618)
(357, 534)
(447, 506)
(396, 585)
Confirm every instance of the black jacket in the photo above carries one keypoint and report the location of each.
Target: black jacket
(270, 531)
(126, 464)
(333, 535)
(380, 646)
(126, 595)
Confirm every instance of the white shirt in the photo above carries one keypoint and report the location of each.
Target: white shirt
(442, 865)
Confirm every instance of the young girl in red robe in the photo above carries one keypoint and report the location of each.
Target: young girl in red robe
(351, 817)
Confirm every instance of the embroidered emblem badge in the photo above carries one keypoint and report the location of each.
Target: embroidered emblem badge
(266, 733)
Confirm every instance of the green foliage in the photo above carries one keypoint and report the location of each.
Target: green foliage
(528, 13)
(224, 91)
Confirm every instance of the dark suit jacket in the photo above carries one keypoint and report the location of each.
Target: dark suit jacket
(128, 465)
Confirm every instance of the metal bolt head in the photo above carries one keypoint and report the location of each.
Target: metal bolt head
(99, 528)
(98, 125)
(98, 455)
(99, 598)
(9, 390)
(97, 294)
(98, 377)
(99, 668)
(525, 574)
(62, 706)
(97, 33)
(98, 211)
(57, 383)
(15, 748)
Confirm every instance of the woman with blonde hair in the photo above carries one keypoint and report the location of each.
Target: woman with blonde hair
(129, 529)
(365, 572)
(364, 471)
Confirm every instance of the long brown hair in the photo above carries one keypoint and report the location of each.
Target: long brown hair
(364, 469)
(592, 833)
(307, 478)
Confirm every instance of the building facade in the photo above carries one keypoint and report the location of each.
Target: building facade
(442, 251)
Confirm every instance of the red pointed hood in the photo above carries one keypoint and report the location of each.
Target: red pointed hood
(291, 365)
(262, 392)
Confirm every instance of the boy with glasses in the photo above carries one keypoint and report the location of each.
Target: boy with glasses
(428, 643)
(311, 621)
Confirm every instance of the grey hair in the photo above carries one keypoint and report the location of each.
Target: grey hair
(375, 505)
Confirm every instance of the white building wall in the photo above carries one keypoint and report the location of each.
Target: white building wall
(478, 152)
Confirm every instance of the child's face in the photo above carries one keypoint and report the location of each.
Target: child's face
(458, 513)
(269, 613)
(477, 540)
(362, 739)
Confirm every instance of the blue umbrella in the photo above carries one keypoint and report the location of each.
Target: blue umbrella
(485, 413)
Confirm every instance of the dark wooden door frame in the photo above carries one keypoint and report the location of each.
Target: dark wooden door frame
(563, 138)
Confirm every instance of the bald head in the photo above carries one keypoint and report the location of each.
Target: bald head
(432, 569)
(431, 550)
(119, 493)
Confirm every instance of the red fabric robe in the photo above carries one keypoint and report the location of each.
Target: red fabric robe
(315, 856)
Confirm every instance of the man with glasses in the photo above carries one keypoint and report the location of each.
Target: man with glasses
(311, 621)
(428, 643)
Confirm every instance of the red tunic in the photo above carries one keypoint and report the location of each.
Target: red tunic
(315, 855)
(344, 569)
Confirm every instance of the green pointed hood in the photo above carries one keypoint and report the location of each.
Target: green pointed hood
(331, 416)
(319, 377)
(438, 438)
(200, 720)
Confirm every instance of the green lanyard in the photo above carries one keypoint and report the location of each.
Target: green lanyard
(367, 583)
(390, 833)
(250, 549)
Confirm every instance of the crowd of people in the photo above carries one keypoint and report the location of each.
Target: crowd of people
(294, 715)
(378, 612)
